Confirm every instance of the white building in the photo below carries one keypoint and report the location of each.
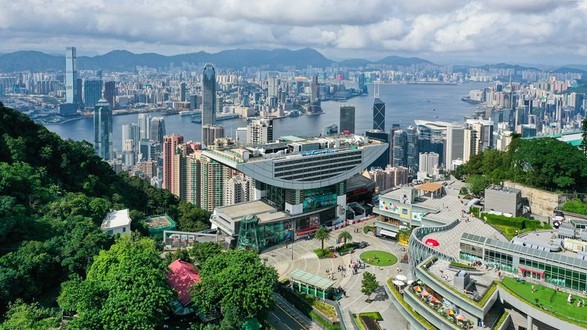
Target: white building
(428, 167)
(116, 222)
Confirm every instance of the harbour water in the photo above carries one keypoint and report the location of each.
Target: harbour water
(404, 104)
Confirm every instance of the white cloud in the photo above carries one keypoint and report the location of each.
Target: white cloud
(371, 28)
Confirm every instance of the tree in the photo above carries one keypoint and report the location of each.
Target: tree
(237, 283)
(584, 136)
(322, 234)
(477, 184)
(126, 288)
(192, 218)
(345, 236)
(369, 283)
(204, 251)
(32, 317)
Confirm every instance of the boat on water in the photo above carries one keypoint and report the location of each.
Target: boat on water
(221, 117)
(188, 112)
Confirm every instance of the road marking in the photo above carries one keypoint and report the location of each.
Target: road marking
(292, 317)
(279, 320)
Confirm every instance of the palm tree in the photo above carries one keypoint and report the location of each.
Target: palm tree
(345, 236)
(322, 234)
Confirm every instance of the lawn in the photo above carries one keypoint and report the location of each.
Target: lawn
(378, 258)
(550, 300)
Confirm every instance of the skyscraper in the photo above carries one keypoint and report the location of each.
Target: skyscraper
(71, 92)
(208, 96)
(157, 129)
(314, 89)
(103, 129)
(92, 92)
(110, 92)
(144, 126)
(454, 146)
(183, 92)
(347, 119)
(378, 114)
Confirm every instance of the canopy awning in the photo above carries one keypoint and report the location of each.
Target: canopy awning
(388, 233)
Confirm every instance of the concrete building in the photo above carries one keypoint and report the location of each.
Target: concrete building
(428, 167)
(103, 130)
(259, 131)
(504, 200)
(171, 166)
(389, 178)
(454, 146)
(116, 222)
(211, 133)
(238, 189)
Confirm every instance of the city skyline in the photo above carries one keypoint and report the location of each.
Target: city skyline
(524, 32)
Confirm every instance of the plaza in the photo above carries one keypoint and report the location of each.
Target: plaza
(300, 255)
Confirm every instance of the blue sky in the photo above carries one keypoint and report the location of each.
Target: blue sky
(444, 31)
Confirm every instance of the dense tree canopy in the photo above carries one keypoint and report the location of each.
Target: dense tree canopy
(545, 163)
(54, 193)
(235, 282)
(126, 288)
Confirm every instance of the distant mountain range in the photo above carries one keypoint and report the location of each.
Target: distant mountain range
(122, 60)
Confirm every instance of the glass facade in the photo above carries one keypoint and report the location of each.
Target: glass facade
(554, 268)
(319, 198)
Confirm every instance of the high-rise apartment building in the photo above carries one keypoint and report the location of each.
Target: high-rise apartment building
(259, 131)
(412, 149)
(213, 175)
(103, 129)
(157, 129)
(428, 166)
(238, 189)
(210, 133)
(347, 119)
(71, 91)
(272, 85)
(92, 92)
(208, 97)
(110, 93)
(379, 114)
(170, 163)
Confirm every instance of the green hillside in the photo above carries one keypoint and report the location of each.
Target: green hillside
(54, 194)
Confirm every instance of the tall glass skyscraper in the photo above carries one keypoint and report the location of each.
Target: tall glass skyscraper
(378, 114)
(92, 92)
(208, 96)
(71, 92)
(103, 129)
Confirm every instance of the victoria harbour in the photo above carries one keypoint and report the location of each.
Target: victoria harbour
(404, 104)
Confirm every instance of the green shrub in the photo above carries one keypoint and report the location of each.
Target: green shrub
(367, 229)
(461, 265)
(575, 206)
(463, 191)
